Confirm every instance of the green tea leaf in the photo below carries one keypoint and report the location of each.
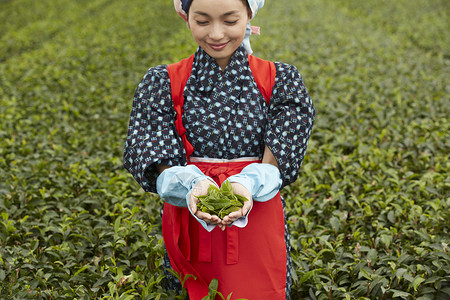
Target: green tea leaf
(220, 202)
(400, 294)
(417, 282)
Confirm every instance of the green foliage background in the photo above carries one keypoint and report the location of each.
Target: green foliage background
(369, 214)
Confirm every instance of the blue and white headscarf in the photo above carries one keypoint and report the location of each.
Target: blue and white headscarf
(182, 7)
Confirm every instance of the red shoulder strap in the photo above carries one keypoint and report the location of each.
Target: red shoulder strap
(179, 74)
(264, 73)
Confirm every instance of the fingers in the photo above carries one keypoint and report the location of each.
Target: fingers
(193, 203)
(222, 226)
(246, 208)
(209, 219)
(227, 220)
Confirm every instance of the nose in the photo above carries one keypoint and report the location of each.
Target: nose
(216, 32)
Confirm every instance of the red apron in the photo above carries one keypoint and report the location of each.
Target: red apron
(249, 262)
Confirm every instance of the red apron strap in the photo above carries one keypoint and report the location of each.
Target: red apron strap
(232, 245)
(179, 74)
(185, 243)
(264, 72)
(204, 244)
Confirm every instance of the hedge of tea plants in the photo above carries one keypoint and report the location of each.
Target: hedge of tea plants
(369, 215)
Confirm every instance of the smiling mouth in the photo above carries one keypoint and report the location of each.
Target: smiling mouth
(218, 46)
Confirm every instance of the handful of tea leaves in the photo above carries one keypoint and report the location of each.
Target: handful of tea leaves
(220, 202)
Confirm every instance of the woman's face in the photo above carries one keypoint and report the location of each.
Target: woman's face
(218, 26)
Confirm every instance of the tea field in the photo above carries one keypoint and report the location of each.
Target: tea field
(369, 215)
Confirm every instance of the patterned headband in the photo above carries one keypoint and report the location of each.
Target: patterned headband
(182, 7)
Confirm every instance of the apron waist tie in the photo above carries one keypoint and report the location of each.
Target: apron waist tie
(183, 242)
(232, 245)
(205, 245)
(205, 242)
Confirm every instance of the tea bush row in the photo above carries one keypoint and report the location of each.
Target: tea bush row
(369, 214)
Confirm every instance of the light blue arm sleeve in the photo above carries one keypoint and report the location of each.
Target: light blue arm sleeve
(175, 183)
(262, 180)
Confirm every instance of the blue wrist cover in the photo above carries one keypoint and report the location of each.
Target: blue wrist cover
(262, 180)
(174, 183)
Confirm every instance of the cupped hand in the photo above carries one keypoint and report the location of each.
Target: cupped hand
(200, 189)
(240, 190)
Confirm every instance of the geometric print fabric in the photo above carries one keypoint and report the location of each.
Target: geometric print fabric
(225, 116)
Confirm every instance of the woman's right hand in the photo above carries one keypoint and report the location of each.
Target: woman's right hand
(240, 190)
(200, 189)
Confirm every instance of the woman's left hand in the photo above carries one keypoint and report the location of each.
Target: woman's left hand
(240, 190)
(201, 188)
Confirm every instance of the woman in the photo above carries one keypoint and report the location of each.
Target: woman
(219, 115)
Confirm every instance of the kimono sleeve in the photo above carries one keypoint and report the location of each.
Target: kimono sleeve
(290, 120)
(152, 137)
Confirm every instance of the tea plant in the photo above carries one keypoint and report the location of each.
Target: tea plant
(369, 215)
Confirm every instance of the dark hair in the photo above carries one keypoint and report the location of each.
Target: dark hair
(245, 2)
